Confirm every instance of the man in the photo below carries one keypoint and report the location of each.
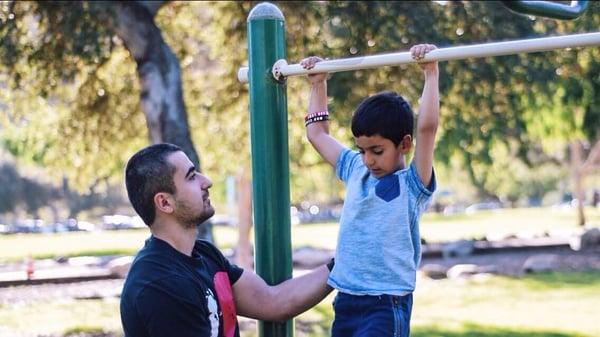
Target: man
(178, 286)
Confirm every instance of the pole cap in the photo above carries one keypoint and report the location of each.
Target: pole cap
(265, 11)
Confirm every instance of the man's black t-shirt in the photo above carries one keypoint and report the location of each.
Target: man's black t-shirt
(168, 293)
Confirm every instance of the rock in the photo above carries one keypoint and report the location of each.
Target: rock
(467, 270)
(84, 261)
(589, 240)
(120, 266)
(434, 271)
(461, 270)
(528, 235)
(307, 257)
(541, 263)
(500, 236)
(460, 248)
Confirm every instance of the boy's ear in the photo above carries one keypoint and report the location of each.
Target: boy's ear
(164, 202)
(405, 144)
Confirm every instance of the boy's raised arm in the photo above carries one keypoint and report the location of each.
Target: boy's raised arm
(428, 115)
(317, 132)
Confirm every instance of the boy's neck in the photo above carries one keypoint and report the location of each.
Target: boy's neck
(401, 163)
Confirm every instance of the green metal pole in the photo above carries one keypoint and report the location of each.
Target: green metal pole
(270, 166)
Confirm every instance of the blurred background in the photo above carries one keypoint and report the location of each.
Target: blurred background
(511, 240)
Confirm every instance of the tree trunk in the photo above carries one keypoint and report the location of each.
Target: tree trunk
(578, 192)
(479, 183)
(580, 170)
(592, 162)
(244, 255)
(158, 69)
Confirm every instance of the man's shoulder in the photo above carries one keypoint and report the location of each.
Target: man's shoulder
(153, 266)
(205, 245)
(207, 249)
(147, 276)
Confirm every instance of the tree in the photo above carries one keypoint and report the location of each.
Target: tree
(17, 191)
(573, 114)
(490, 106)
(486, 106)
(50, 44)
(497, 113)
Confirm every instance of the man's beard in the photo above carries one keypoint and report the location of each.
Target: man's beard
(189, 218)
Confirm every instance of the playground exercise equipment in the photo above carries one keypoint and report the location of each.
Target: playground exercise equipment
(266, 74)
(281, 69)
(548, 9)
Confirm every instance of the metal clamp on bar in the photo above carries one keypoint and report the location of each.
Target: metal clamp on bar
(548, 9)
(277, 75)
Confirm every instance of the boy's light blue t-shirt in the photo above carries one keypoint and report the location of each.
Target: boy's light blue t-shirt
(379, 246)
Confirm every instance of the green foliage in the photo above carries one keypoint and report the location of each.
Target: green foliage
(218, 103)
(54, 39)
(70, 94)
(71, 90)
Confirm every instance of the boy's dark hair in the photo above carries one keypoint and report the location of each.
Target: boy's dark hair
(386, 114)
(148, 172)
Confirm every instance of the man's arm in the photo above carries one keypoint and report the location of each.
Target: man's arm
(254, 298)
(428, 115)
(318, 132)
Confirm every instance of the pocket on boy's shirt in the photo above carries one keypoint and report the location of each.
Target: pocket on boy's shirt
(388, 188)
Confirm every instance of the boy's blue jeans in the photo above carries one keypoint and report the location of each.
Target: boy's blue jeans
(371, 316)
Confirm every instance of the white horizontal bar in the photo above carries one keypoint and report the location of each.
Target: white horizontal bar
(442, 54)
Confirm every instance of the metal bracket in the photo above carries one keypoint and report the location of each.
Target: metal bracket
(276, 71)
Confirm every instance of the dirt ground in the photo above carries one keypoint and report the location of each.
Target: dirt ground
(515, 263)
(506, 263)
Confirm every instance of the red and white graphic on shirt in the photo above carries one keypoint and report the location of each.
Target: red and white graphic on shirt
(225, 298)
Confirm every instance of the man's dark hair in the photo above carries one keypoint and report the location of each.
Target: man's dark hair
(386, 114)
(148, 172)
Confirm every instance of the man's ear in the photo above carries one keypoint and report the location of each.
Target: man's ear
(164, 202)
(405, 144)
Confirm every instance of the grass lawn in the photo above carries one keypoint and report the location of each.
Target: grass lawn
(434, 228)
(552, 304)
(18, 246)
(545, 305)
(59, 317)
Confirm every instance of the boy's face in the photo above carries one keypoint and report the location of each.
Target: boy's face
(380, 155)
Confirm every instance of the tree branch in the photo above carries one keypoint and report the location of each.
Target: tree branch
(590, 163)
(152, 6)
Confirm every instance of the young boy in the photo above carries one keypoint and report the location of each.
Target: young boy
(378, 249)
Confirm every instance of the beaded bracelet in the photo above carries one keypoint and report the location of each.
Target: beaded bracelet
(316, 117)
(315, 114)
